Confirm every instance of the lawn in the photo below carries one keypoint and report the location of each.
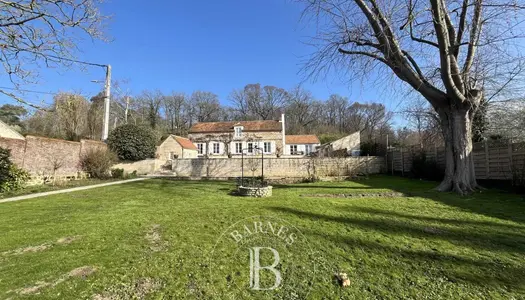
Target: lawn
(48, 187)
(153, 239)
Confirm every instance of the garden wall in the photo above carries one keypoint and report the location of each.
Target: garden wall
(40, 155)
(277, 167)
(147, 166)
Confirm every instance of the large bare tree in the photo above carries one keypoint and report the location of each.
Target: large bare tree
(36, 33)
(259, 103)
(446, 50)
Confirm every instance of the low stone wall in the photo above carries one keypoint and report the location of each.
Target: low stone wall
(277, 167)
(147, 166)
(258, 192)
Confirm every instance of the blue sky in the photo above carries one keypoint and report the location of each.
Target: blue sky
(208, 45)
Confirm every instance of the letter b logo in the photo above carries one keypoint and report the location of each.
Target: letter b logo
(255, 267)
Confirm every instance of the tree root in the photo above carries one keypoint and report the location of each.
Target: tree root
(449, 185)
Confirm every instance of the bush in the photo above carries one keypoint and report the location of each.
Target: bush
(11, 177)
(98, 162)
(117, 173)
(132, 142)
(424, 168)
(373, 149)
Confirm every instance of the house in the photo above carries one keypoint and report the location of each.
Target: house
(348, 145)
(7, 131)
(231, 139)
(301, 144)
(174, 147)
(265, 137)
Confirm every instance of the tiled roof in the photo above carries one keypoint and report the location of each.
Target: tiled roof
(185, 143)
(268, 125)
(302, 139)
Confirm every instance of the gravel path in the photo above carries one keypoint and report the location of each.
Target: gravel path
(80, 188)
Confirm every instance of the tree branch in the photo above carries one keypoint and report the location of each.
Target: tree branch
(415, 65)
(369, 54)
(18, 99)
(420, 40)
(474, 37)
(444, 51)
(461, 27)
(22, 21)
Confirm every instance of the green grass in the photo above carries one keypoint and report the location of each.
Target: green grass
(428, 246)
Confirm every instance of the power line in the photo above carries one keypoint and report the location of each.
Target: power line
(67, 59)
(28, 91)
(77, 61)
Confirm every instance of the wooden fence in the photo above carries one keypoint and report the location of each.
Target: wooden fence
(495, 160)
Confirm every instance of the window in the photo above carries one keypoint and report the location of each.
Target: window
(216, 148)
(238, 131)
(238, 148)
(200, 148)
(293, 150)
(308, 149)
(173, 155)
(267, 147)
(250, 147)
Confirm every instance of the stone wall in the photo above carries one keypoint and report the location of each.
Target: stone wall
(147, 166)
(277, 167)
(40, 155)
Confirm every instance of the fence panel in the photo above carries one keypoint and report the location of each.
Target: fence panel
(497, 160)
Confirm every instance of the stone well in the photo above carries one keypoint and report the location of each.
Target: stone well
(258, 192)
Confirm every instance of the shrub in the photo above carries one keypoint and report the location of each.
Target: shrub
(373, 149)
(117, 173)
(132, 142)
(424, 168)
(11, 177)
(98, 162)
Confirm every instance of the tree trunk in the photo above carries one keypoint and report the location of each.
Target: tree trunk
(456, 124)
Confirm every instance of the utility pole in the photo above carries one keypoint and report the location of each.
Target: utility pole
(126, 113)
(107, 95)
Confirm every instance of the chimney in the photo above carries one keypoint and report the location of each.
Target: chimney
(283, 126)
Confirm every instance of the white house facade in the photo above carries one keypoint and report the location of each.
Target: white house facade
(301, 145)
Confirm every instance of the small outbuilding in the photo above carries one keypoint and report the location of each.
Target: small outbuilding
(174, 147)
(349, 145)
(9, 132)
(301, 145)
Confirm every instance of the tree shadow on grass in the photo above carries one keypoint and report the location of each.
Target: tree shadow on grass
(455, 222)
(454, 267)
(494, 240)
(305, 186)
(490, 272)
(491, 202)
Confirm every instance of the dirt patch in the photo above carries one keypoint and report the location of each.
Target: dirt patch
(136, 290)
(359, 195)
(33, 289)
(29, 249)
(39, 248)
(155, 240)
(67, 240)
(81, 272)
(145, 286)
